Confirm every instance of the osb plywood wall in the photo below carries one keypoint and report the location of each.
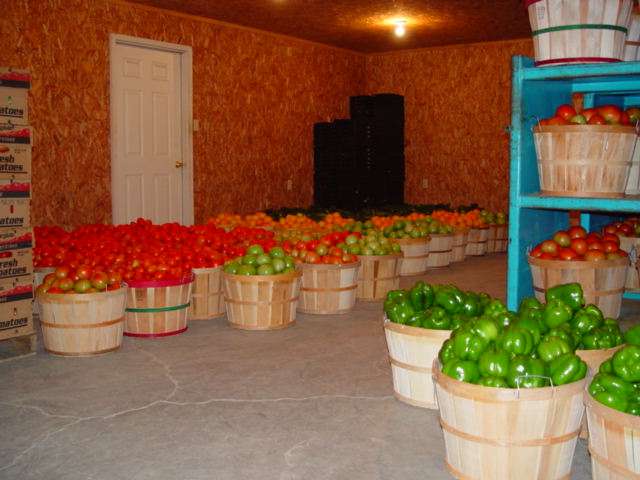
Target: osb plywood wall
(256, 96)
(457, 105)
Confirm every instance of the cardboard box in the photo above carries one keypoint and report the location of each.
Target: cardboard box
(14, 106)
(12, 188)
(15, 153)
(16, 255)
(11, 77)
(15, 309)
(14, 213)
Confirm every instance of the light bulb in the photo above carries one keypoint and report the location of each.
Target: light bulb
(400, 28)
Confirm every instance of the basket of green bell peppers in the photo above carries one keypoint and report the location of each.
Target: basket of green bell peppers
(617, 383)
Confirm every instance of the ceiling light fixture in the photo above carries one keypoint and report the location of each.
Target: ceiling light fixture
(400, 27)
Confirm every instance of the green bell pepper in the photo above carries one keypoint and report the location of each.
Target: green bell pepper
(457, 321)
(470, 305)
(468, 346)
(486, 328)
(484, 299)
(421, 296)
(556, 312)
(565, 333)
(632, 336)
(400, 310)
(567, 368)
(494, 364)
(505, 319)
(447, 351)
(570, 293)
(598, 339)
(525, 372)
(450, 298)
(416, 319)
(584, 322)
(606, 366)
(496, 382)
(552, 347)
(626, 363)
(495, 308)
(633, 408)
(463, 370)
(531, 324)
(612, 327)
(393, 295)
(611, 383)
(612, 400)
(517, 341)
(436, 318)
(529, 302)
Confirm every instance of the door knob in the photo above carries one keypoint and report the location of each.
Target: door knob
(179, 164)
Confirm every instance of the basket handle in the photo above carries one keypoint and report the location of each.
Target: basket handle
(517, 379)
(577, 100)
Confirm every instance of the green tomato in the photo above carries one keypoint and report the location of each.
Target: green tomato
(254, 250)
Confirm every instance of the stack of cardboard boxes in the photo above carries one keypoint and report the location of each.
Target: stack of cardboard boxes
(16, 235)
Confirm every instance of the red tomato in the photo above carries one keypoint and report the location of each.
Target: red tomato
(610, 247)
(562, 238)
(579, 245)
(84, 271)
(567, 254)
(566, 111)
(611, 237)
(594, 256)
(593, 237)
(557, 120)
(596, 119)
(595, 246)
(62, 271)
(550, 246)
(577, 232)
(536, 252)
(611, 113)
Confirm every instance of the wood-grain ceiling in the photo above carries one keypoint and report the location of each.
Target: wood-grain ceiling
(366, 26)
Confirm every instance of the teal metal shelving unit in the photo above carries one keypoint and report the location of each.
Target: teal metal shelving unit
(536, 92)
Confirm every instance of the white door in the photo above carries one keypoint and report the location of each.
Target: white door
(151, 174)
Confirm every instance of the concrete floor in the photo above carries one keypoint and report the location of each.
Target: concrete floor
(313, 401)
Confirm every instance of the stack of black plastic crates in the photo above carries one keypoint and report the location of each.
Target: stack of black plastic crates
(359, 162)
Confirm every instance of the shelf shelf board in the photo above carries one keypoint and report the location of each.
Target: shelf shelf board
(623, 204)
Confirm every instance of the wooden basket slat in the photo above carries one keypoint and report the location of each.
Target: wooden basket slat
(560, 46)
(415, 255)
(602, 281)
(84, 324)
(412, 351)
(440, 250)
(459, 245)
(377, 275)
(632, 42)
(261, 302)
(477, 241)
(584, 160)
(328, 289)
(614, 441)
(503, 434)
(157, 323)
(207, 297)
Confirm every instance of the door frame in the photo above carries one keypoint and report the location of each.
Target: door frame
(186, 111)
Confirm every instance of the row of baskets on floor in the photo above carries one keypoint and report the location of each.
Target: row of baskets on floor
(92, 324)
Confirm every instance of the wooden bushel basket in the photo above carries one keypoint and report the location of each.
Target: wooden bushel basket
(602, 281)
(497, 238)
(632, 44)
(632, 282)
(415, 255)
(261, 302)
(633, 182)
(507, 433)
(614, 441)
(440, 250)
(578, 31)
(593, 359)
(377, 275)
(459, 245)
(158, 309)
(584, 160)
(412, 351)
(82, 324)
(477, 241)
(328, 289)
(207, 297)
